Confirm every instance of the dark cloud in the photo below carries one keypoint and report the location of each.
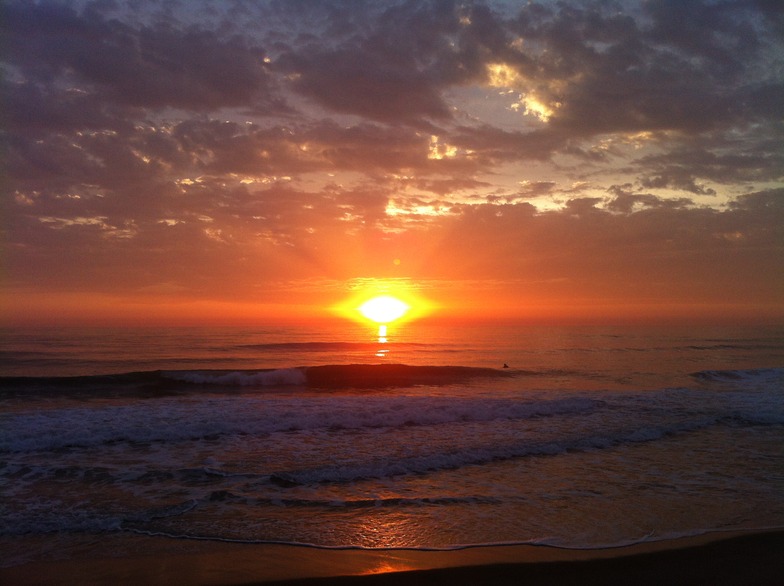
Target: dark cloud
(720, 36)
(450, 186)
(33, 110)
(723, 163)
(686, 66)
(496, 145)
(154, 67)
(353, 80)
(680, 179)
(537, 188)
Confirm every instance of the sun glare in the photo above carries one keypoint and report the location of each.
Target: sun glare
(383, 309)
(383, 302)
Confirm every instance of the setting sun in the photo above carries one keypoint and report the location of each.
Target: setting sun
(383, 309)
(383, 301)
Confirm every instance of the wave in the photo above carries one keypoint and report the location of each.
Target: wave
(165, 382)
(227, 496)
(382, 375)
(417, 465)
(763, 376)
(331, 376)
(325, 346)
(51, 520)
(359, 470)
(217, 418)
(727, 346)
(238, 378)
(341, 375)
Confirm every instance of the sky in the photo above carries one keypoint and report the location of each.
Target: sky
(233, 161)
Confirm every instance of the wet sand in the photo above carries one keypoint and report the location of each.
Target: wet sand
(716, 559)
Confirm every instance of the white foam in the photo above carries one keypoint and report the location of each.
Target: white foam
(519, 448)
(192, 417)
(174, 419)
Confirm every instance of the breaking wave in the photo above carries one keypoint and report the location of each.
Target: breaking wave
(758, 376)
(218, 417)
(164, 382)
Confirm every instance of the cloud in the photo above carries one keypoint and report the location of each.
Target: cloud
(353, 81)
(605, 148)
(638, 245)
(749, 159)
(147, 66)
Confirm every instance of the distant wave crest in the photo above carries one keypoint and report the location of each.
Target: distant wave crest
(765, 376)
(323, 346)
(181, 381)
(340, 375)
(380, 375)
(277, 377)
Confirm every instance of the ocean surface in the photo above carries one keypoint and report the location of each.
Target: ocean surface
(334, 437)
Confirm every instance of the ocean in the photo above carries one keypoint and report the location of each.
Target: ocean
(431, 437)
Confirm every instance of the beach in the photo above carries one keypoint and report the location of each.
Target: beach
(716, 559)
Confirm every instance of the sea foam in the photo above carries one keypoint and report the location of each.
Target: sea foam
(171, 419)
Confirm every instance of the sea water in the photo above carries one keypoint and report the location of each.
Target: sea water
(334, 437)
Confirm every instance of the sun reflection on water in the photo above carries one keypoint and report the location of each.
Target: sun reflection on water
(382, 351)
(385, 567)
(389, 530)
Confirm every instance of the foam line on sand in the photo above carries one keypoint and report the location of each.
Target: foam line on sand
(717, 559)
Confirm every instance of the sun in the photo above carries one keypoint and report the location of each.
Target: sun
(383, 309)
(383, 302)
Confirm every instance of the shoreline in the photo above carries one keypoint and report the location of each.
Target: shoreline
(721, 558)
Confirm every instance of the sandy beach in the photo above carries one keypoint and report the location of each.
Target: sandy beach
(717, 558)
